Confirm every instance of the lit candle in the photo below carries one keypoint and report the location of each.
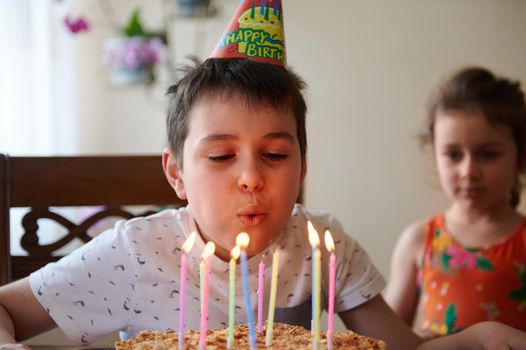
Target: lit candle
(261, 291)
(242, 241)
(204, 266)
(234, 254)
(187, 246)
(316, 286)
(329, 243)
(272, 303)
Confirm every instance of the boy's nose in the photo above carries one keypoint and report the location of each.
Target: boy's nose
(251, 179)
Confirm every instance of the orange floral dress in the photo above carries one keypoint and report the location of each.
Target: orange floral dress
(460, 286)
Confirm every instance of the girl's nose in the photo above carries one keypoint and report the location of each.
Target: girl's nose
(251, 178)
(470, 168)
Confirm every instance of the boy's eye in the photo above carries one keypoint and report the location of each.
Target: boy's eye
(221, 158)
(275, 156)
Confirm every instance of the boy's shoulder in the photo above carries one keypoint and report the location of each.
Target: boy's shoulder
(160, 216)
(321, 220)
(317, 217)
(164, 221)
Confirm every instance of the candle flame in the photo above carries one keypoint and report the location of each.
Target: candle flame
(314, 238)
(234, 253)
(189, 243)
(210, 248)
(242, 240)
(329, 242)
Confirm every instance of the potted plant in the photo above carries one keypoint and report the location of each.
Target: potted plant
(132, 57)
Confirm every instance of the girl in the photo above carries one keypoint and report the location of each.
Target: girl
(468, 264)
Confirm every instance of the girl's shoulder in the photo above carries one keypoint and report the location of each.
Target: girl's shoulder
(416, 232)
(413, 238)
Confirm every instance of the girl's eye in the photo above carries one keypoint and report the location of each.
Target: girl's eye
(221, 158)
(276, 156)
(488, 154)
(454, 155)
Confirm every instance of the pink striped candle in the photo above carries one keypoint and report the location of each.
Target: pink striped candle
(187, 246)
(209, 250)
(329, 243)
(261, 291)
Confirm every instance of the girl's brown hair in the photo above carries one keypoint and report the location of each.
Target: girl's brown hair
(499, 100)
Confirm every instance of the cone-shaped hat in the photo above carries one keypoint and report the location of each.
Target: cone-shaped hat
(255, 32)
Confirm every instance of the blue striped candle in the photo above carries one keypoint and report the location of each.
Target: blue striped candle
(246, 288)
(242, 240)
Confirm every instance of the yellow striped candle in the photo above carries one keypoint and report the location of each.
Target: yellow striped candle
(272, 302)
(314, 240)
(234, 254)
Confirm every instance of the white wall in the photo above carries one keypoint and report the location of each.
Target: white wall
(369, 65)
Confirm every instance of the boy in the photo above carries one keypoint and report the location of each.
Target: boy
(238, 155)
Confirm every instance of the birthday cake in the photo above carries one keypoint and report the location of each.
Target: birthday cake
(286, 337)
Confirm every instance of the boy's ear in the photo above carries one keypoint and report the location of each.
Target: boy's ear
(173, 173)
(303, 171)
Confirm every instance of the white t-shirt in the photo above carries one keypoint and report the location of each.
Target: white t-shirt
(127, 278)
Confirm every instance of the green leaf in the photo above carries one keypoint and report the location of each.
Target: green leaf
(450, 317)
(160, 34)
(134, 26)
(444, 261)
(518, 294)
(484, 264)
(522, 275)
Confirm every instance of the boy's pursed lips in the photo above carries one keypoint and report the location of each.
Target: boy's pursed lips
(252, 216)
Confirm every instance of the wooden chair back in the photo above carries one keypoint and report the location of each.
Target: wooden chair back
(44, 183)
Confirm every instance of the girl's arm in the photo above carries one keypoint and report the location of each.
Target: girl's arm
(21, 315)
(402, 293)
(484, 336)
(375, 319)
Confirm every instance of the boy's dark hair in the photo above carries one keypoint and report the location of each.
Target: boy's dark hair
(499, 100)
(258, 83)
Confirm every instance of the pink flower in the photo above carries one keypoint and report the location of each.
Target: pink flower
(461, 257)
(78, 25)
(133, 53)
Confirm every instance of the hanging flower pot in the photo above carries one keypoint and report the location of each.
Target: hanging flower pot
(132, 59)
(188, 8)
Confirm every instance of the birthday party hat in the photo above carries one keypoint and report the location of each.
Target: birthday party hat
(255, 32)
